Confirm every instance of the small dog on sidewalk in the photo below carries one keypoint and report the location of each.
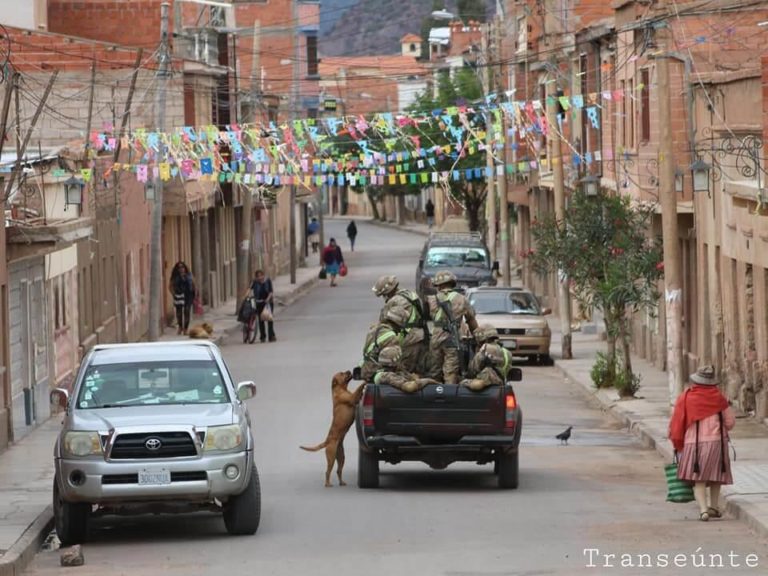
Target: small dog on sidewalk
(202, 331)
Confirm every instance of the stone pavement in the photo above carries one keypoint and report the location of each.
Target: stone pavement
(26, 468)
(647, 416)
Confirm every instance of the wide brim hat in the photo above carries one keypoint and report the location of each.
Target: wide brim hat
(705, 376)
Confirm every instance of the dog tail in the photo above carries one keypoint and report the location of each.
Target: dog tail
(315, 448)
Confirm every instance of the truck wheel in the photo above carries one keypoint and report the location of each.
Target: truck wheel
(367, 470)
(71, 519)
(508, 468)
(242, 513)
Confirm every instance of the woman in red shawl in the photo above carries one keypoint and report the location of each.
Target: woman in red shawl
(699, 433)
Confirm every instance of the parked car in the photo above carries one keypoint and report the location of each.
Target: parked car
(154, 427)
(464, 254)
(518, 318)
(439, 425)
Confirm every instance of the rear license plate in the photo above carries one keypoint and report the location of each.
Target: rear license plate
(154, 477)
(509, 344)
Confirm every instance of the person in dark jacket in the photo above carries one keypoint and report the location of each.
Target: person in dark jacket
(332, 260)
(429, 209)
(352, 233)
(264, 295)
(182, 287)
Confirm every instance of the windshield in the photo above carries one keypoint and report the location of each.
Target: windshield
(499, 302)
(146, 383)
(456, 257)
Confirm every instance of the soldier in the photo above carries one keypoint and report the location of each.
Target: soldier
(379, 337)
(490, 365)
(415, 332)
(447, 308)
(392, 374)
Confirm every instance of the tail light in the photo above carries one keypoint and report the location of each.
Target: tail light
(509, 414)
(368, 407)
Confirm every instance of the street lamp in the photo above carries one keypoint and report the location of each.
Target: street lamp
(700, 173)
(73, 192)
(590, 185)
(443, 15)
(149, 190)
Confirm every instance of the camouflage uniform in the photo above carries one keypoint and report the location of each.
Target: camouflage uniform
(393, 375)
(405, 304)
(490, 365)
(444, 348)
(379, 337)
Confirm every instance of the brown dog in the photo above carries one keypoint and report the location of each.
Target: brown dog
(344, 403)
(201, 331)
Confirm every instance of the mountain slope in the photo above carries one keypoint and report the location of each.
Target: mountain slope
(376, 26)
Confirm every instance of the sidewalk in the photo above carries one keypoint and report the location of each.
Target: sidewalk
(26, 468)
(414, 227)
(648, 417)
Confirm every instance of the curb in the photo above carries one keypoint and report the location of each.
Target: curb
(19, 556)
(743, 510)
(394, 226)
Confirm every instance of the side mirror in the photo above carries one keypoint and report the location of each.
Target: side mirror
(60, 398)
(246, 390)
(546, 311)
(515, 375)
(357, 374)
(421, 263)
(495, 266)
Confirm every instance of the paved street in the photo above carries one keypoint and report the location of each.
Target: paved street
(604, 491)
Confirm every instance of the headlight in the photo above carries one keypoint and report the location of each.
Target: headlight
(534, 331)
(223, 437)
(82, 443)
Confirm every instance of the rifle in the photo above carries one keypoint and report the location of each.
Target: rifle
(455, 337)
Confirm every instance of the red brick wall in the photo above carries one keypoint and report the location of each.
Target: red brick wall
(127, 22)
(764, 64)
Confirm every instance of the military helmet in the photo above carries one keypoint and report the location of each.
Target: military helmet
(397, 316)
(390, 356)
(444, 277)
(485, 333)
(385, 285)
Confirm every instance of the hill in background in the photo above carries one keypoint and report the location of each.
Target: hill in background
(370, 27)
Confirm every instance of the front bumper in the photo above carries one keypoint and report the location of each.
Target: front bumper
(526, 345)
(192, 479)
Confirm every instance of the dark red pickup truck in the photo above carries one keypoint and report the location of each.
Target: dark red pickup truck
(439, 425)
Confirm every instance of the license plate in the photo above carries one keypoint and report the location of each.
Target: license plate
(154, 477)
(509, 344)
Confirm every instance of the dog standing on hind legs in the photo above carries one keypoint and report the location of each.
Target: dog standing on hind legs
(344, 403)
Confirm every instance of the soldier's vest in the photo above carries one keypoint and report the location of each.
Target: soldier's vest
(377, 341)
(416, 319)
(500, 359)
(441, 319)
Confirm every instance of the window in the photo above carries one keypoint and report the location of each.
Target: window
(623, 114)
(142, 271)
(59, 302)
(312, 61)
(413, 47)
(152, 383)
(128, 277)
(645, 105)
(450, 257)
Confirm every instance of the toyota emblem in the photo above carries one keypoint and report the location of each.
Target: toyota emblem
(439, 389)
(153, 444)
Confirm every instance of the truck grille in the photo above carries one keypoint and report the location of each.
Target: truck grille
(135, 446)
(134, 478)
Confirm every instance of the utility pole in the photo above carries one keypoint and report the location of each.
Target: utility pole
(501, 178)
(294, 115)
(673, 294)
(156, 255)
(556, 160)
(246, 218)
(490, 196)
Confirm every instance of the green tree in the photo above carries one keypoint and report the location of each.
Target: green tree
(464, 87)
(604, 249)
(471, 10)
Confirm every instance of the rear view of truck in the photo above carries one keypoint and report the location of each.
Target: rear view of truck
(439, 425)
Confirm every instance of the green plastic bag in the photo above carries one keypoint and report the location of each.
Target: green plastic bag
(678, 491)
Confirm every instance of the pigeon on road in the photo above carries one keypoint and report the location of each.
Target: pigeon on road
(563, 436)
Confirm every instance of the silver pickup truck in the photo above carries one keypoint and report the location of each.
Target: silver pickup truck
(154, 428)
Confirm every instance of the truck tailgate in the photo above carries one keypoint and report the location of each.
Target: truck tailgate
(444, 411)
